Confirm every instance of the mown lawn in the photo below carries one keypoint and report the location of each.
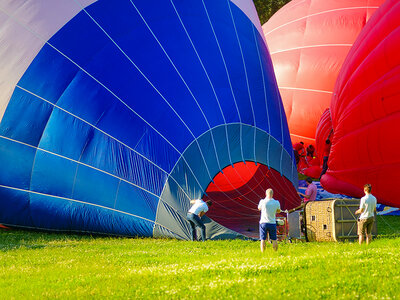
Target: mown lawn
(41, 265)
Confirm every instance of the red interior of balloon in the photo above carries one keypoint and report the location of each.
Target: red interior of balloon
(237, 190)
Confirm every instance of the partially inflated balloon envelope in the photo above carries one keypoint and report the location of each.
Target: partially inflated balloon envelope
(114, 114)
(308, 41)
(365, 112)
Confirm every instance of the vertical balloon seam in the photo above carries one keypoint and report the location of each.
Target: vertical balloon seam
(276, 142)
(152, 85)
(238, 124)
(208, 78)
(94, 127)
(188, 88)
(264, 131)
(212, 87)
(265, 95)
(199, 146)
(7, 11)
(204, 67)
(229, 81)
(247, 81)
(280, 107)
(243, 61)
(101, 131)
(246, 76)
(229, 76)
(81, 163)
(78, 200)
(112, 93)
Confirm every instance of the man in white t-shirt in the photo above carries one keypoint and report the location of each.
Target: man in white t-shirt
(269, 207)
(194, 215)
(367, 212)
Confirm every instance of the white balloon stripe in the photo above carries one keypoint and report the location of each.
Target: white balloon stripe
(311, 46)
(320, 13)
(227, 74)
(106, 88)
(87, 203)
(205, 71)
(97, 169)
(266, 104)
(183, 80)
(305, 90)
(103, 132)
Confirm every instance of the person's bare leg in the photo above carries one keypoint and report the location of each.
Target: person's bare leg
(368, 238)
(360, 238)
(275, 245)
(262, 245)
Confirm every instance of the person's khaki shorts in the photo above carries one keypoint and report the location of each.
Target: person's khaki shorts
(365, 225)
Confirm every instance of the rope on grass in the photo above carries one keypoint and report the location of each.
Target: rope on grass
(391, 227)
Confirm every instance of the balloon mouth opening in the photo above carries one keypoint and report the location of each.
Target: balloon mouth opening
(237, 190)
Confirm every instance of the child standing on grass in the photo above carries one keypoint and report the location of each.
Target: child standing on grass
(269, 207)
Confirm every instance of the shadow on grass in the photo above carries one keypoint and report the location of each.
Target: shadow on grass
(13, 238)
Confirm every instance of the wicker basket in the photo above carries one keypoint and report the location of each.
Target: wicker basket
(332, 220)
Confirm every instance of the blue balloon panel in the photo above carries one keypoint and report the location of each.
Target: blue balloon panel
(130, 110)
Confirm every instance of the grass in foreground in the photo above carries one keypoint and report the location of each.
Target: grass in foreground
(40, 265)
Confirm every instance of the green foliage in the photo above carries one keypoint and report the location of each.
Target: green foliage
(49, 266)
(266, 8)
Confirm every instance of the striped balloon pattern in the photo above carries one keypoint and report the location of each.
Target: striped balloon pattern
(115, 114)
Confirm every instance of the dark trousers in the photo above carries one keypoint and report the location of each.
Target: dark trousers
(194, 221)
(324, 166)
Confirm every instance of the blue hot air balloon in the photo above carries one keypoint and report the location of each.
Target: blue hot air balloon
(115, 113)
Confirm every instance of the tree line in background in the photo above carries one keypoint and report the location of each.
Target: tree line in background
(266, 8)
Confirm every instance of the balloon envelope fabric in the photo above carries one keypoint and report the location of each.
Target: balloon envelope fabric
(365, 113)
(114, 114)
(308, 41)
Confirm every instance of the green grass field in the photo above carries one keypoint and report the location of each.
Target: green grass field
(42, 265)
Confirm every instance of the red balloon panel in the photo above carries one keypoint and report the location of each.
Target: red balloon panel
(309, 41)
(365, 112)
(237, 191)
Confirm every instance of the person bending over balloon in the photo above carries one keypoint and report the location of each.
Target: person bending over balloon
(367, 210)
(269, 207)
(198, 209)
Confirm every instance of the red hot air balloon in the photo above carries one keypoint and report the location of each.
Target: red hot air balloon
(309, 41)
(365, 112)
